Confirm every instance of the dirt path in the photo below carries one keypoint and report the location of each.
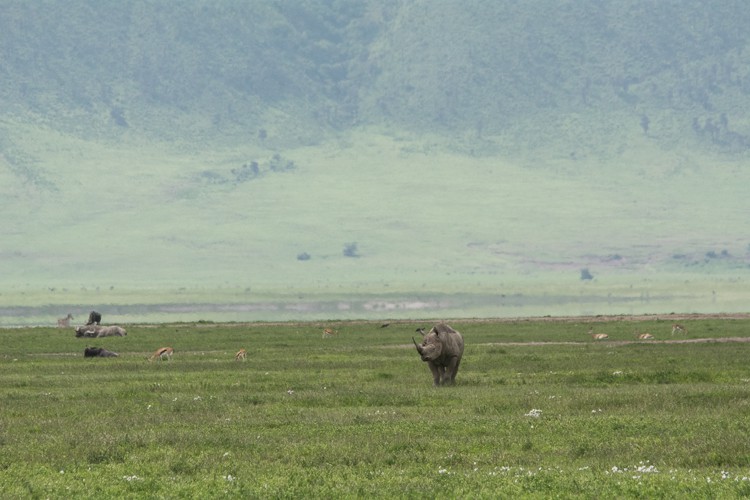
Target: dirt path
(625, 342)
(550, 319)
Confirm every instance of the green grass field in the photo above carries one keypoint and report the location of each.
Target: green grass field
(540, 410)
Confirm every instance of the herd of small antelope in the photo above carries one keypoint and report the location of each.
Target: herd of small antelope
(676, 328)
(165, 353)
(92, 328)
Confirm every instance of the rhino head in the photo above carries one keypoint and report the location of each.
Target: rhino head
(431, 346)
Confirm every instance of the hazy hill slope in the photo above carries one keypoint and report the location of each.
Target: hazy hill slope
(486, 66)
(197, 69)
(220, 69)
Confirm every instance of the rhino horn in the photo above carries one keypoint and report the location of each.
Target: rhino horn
(419, 347)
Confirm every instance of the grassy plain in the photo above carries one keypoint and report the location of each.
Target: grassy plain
(539, 410)
(93, 224)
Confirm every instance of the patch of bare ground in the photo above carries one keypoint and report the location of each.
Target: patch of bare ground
(394, 322)
(610, 318)
(625, 342)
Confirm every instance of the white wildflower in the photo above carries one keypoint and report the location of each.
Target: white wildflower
(229, 478)
(534, 413)
(648, 469)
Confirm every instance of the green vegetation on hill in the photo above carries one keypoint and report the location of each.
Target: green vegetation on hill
(206, 69)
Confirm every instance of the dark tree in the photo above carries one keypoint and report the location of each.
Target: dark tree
(645, 123)
(118, 115)
(350, 250)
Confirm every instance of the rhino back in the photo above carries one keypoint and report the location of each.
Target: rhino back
(453, 344)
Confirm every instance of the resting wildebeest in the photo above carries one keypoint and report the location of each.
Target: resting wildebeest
(94, 318)
(442, 348)
(86, 331)
(100, 331)
(93, 352)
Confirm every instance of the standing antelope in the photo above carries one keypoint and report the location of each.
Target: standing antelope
(161, 353)
(677, 328)
(328, 332)
(598, 336)
(64, 322)
(241, 355)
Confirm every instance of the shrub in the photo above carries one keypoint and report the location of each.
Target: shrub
(350, 250)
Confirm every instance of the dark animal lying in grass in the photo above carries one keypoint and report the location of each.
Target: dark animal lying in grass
(94, 352)
(100, 331)
(94, 318)
(442, 348)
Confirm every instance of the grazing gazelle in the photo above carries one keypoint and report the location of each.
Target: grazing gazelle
(598, 336)
(328, 332)
(677, 328)
(241, 355)
(643, 336)
(64, 322)
(161, 353)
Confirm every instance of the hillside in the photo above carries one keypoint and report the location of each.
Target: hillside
(241, 152)
(212, 69)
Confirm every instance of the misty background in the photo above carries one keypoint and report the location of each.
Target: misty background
(354, 158)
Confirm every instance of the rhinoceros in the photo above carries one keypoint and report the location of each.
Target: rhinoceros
(100, 331)
(442, 348)
(94, 352)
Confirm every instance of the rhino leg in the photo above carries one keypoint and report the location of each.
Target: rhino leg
(436, 372)
(451, 371)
